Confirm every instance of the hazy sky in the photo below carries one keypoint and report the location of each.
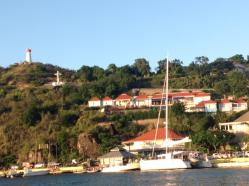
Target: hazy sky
(72, 33)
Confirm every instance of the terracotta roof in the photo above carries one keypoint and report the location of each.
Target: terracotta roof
(107, 98)
(181, 94)
(203, 103)
(158, 96)
(224, 101)
(123, 97)
(150, 136)
(202, 94)
(94, 99)
(240, 101)
(141, 97)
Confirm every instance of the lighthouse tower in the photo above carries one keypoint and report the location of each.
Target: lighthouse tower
(28, 56)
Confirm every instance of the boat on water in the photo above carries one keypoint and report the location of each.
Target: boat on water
(169, 160)
(35, 172)
(199, 160)
(12, 173)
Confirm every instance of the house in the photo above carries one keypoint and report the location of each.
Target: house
(201, 96)
(157, 98)
(123, 100)
(206, 106)
(144, 143)
(239, 105)
(94, 102)
(143, 101)
(115, 157)
(225, 106)
(107, 101)
(239, 127)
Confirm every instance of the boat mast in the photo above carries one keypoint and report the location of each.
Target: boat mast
(166, 102)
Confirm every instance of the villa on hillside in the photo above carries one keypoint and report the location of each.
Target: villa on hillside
(239, 127)
(142, 101)
(196, 101)
(206, 106)
(123, 100)
(94, 102)
(107, 101)
(144, 143)
(190, 99)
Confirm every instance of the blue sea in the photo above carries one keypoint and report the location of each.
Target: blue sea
(189, 177)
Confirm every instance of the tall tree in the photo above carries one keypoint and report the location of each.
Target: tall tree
(142, 67)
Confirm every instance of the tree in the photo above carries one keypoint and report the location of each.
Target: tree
(31, 115)
(223, 87)
(97, 73)
(178, 109)
(161, 66)
(85, 73)
(238, 83)
(176, 69)
(141, 67)
(112, 68)
(202, 60)
(238, 58)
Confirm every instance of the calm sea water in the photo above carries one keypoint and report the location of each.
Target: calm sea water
(191, 177)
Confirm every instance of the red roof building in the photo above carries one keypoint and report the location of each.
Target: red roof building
(123, 97)
(107, 101)
(123, 100)
(94, 102)
(150, 136)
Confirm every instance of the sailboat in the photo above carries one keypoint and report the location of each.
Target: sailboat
(169, 160)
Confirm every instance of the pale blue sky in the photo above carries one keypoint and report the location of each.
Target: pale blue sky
(72, 33)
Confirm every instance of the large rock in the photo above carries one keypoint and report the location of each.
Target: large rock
(87, 146)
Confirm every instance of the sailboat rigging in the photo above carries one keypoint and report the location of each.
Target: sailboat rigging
(166, 161)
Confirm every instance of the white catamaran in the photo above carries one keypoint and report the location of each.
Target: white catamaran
(169, 160)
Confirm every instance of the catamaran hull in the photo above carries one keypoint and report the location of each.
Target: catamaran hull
(164, 164)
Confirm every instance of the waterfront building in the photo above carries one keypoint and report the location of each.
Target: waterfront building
(115, 157)
(144, 143)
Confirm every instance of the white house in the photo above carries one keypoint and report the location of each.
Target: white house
(239, 126)
(94, 102)
(201, 96)
(143, 101)
(239, 105)
(225, 106)
(107, 101)
(206, 106)
(123, 100)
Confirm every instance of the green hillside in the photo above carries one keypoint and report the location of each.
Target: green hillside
(41, 123)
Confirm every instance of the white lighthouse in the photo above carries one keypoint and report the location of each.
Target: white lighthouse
(28, 56)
